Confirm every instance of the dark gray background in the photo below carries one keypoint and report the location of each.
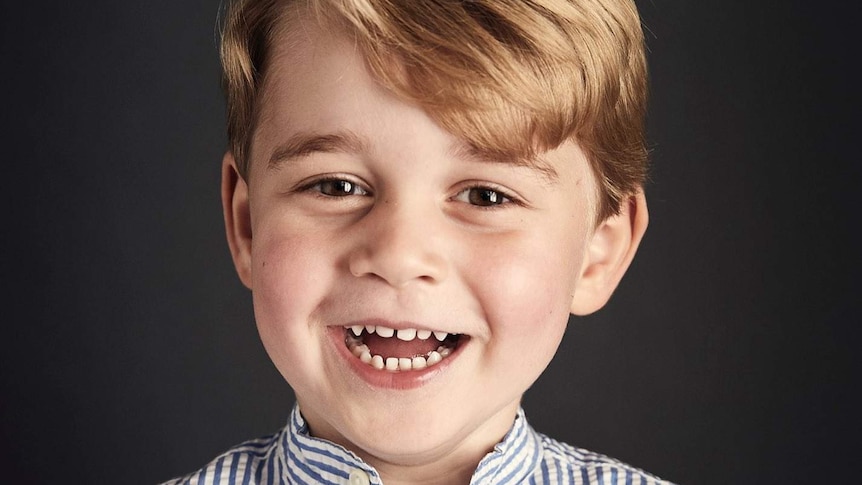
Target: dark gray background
(129, 352)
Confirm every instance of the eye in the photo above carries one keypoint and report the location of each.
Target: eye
(336, 187)
(483, 196)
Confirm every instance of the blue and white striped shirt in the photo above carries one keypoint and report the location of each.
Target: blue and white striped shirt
(525, 456)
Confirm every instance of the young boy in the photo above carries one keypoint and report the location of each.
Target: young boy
(419, 193)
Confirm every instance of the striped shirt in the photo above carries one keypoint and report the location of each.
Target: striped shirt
(292, 456)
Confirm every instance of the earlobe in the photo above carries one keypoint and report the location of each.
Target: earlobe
(609, 254)
(237, 217)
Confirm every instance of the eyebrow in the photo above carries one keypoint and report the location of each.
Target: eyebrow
(304, 144)
(467, 151)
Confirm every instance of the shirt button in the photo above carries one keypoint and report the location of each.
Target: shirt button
(358, 477)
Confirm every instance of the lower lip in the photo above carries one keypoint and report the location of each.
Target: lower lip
(403, 380)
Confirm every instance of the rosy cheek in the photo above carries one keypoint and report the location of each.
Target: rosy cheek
(524, 293)
(286, 291)
(285, 276)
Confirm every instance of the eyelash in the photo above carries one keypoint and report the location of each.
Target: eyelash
(504, 197)
(318, 184)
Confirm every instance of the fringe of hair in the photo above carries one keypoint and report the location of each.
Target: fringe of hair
(513, 78)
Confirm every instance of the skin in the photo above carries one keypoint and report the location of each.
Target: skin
(388, 224)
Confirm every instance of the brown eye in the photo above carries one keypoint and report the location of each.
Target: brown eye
(339, 188)
(485, 197)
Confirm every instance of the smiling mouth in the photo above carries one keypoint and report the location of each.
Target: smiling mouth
(408, 349)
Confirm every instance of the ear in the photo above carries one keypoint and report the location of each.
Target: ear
(609, 254)
(237, 218)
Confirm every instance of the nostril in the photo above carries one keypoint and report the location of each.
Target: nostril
(398, 268)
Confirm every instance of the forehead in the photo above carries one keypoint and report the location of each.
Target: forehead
(306, 67)
(307, 62)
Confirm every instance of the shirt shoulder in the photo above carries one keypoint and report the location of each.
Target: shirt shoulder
(249, 463)
(566, 464)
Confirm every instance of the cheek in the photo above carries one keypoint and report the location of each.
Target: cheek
(289, 276)
(281, 266)
(527, 299)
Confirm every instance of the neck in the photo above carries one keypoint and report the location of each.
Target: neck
(428, 474)
(455, 466)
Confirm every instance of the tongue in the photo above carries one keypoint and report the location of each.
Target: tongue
(394, 347)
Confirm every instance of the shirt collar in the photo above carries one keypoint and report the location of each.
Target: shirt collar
(306, 459)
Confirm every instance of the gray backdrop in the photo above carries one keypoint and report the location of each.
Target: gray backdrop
(129, 352)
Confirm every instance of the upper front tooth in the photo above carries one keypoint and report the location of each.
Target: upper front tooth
(423, 334)
(441, 336)
(385, 332)
(407, 334)
(357, 329)
(369, 328)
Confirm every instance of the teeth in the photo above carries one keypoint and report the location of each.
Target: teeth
(407, 334)
(434, 357)
(396, 364)
(399, 364)
(361, 351)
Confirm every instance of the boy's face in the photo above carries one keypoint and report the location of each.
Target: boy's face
(360, 210)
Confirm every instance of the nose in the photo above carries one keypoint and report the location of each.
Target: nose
(399, 245)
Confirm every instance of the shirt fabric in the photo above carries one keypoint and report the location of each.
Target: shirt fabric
(292, 456)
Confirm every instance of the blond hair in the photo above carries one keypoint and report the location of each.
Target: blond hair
(511, 77)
